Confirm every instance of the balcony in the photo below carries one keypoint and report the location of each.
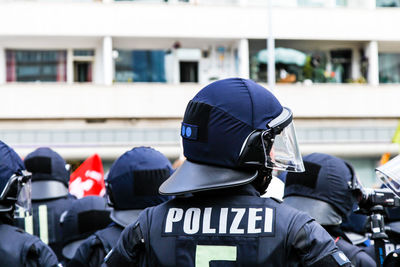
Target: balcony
(144, 100)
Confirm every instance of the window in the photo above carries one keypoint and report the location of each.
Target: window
(389, 68)
(292, 65)
(83, 65)
(140, 66)
(189, 71)
(388, 3)
(33, 66)
(83, 53)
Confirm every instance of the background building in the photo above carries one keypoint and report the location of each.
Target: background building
(104, 76)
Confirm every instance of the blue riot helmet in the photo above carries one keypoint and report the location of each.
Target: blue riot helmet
(328, 190)
(389, 174)
(84, 217)
(233, 131)
(15, 186)
(133, 181)
(50, 174)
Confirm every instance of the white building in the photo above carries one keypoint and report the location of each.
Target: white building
(91, 76)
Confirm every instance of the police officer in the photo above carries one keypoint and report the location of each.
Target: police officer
(50, 196)
(327, 191)
(234, 133)
(84, 217)
(18, 248)
(132, 185)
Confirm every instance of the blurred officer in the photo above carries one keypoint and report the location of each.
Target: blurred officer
(18, 248)
(132, 185)
(50, 197)
(327, 191)
(234, 132)
(84, 217)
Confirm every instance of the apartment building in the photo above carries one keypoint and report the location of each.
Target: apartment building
(102, 77)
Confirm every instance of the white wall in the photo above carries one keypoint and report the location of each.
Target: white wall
(169, 101)
(121, 19)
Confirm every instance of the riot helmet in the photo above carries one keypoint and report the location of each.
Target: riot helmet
(233, 131)
(328, 190)
(50, 174)
(15, 183)
(133, 181)
(84, 217)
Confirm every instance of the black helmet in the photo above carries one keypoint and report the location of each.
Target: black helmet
(229, 130)
(50, 174)
(328, 189)
(14, 181)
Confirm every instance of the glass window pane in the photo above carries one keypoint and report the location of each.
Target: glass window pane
(389, 68)
(32, 66)
(387, 3)
(83, 53)
(140, 66)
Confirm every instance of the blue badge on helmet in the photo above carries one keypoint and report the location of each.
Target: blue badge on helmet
(189, 131)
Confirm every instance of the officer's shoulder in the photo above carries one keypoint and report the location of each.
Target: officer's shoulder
(114, 228)
(163, 205)
(32, 242)
(277, 200)
(281, 206)
(18, 232)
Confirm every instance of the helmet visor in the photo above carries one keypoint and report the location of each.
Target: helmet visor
(284, 153)
(23, 206)
(389, 174)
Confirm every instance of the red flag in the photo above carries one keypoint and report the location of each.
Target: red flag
(88, 179)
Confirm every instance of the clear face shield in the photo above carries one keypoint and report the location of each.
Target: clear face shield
(389, 174)
(280, 145)
(23, 205)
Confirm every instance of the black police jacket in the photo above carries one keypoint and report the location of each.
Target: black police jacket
(357, 254)
(18, 248)
(217, 228)
(91, 253)
(45, 221)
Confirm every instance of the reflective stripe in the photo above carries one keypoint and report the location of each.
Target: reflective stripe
(43, 227)
(205, 254)
(29, 224)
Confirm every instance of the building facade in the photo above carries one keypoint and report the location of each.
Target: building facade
(101, 77)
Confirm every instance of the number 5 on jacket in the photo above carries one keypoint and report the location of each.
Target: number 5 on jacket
(205, 254)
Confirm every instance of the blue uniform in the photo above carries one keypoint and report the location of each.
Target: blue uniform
(95, 248)
(220, 228)
(358, 255)
(45, 221)
(18, 248)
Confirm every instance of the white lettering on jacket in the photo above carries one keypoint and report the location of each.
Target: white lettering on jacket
(239, 221)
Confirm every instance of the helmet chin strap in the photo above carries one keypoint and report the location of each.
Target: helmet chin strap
(262, 180)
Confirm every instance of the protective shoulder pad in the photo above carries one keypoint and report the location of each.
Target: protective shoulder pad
(335, 259)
